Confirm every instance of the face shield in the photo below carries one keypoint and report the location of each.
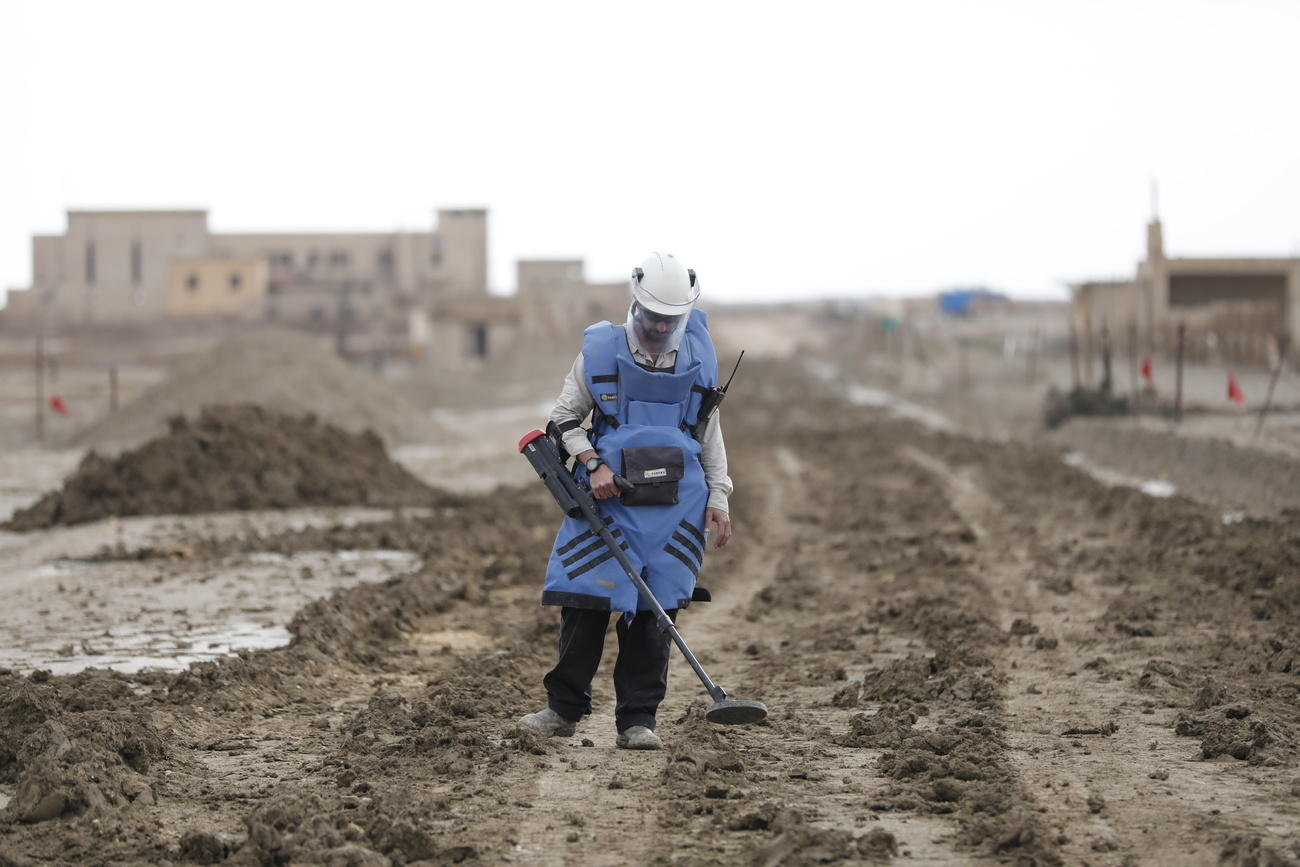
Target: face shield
(654, 332)
(663, 295)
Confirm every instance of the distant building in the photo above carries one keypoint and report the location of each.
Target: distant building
(422, 292)
(114, 268)
(556, 300)
(1244, 302)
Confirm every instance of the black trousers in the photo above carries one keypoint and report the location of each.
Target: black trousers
(640, 673)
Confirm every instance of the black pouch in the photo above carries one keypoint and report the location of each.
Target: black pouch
(654, 472)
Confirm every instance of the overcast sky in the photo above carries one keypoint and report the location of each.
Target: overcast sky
(782, 150)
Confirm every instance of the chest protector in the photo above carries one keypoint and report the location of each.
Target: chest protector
(640, 428)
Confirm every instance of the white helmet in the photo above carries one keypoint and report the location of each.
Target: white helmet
(663, 294)
(663, 285)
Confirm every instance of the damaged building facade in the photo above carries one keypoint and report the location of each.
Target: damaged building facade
(1234, 308)
(135, 268)
(419, 293)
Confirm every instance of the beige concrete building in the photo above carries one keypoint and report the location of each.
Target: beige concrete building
(1232, 306)
(216, 287)
(113, 268)
(552, 304)
(555, 299)
(422, 292)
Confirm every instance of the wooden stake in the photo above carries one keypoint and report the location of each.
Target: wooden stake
(1031, 359)
(112, 388)
(40, 387)
(1283, 344)
(1107, 382)
(1074, 356)
(1178, 383)
(1133, 358)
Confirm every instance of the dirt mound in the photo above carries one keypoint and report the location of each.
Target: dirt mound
(66, 762)
(281, 370)
(236, 457)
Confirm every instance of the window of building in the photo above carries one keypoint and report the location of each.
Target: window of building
(272, 313)
(385, 259)
(90, 263)
(366, 287)
(435, 251)
(192, 282)
(316, 314)
(137, 263)
(478, 339)
(339, 258)
(282, 259)
(312, 257)
(236, 282)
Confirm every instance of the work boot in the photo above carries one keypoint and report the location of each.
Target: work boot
(547, 723)
(638, 738)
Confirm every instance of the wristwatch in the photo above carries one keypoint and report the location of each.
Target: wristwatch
(593, 463)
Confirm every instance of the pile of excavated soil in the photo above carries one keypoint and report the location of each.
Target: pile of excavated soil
(231, 458)
(281, 370)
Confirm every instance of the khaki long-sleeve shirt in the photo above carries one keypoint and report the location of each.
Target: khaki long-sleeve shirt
(575, 403)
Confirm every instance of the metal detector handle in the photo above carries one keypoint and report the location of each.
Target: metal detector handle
(623, 484)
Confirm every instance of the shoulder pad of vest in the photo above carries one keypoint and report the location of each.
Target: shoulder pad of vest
(598, 326)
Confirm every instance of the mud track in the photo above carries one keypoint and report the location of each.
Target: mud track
(971, 652)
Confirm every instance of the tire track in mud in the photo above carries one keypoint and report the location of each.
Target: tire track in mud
(1124, 789)
(835, 642)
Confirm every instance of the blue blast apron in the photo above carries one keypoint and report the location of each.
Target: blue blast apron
(640, 413)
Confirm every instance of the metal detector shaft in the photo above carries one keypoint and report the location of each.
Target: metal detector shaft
(665, 622)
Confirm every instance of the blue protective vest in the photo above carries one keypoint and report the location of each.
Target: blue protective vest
(639, 407)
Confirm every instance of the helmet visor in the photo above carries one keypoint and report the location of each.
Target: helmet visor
(654, 332)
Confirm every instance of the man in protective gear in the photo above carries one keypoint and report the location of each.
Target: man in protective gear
(643, 383)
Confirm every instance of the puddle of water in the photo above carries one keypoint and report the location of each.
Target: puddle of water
(823, 370)
(130, 651)
(128, 616)
(1157, 488)
(862, 395)
(498, 414)
(4, 800)
(1151, 487)
(418, 452)
(386, 555)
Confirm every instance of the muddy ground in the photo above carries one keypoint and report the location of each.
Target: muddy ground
(971, 651)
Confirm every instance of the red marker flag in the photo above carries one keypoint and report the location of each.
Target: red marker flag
(57, 404)
(1146, 370)
(1234, 390)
